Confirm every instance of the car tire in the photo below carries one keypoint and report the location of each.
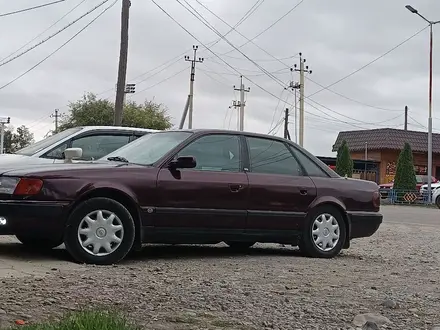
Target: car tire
(437, 201)
(237, 245)
(108, 227)
(317, 240)
(40, 243)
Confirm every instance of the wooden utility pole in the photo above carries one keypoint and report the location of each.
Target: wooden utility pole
(302, 70)
(123, 56)
(286, 124)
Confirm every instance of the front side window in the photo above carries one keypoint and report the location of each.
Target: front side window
(216, 152)
(151, 147)
(97, 146)
(57, 153)
(271, 157)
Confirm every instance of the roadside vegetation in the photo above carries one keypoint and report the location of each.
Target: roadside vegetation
(344, 163)
(86, 320)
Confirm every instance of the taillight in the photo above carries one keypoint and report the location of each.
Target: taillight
(28, 186)
(376, 199)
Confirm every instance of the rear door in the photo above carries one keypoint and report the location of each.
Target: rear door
(279, 190)
(210, 197)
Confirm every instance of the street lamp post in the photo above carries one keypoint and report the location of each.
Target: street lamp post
(431, 23)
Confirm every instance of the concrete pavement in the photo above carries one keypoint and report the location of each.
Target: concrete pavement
(18, 261)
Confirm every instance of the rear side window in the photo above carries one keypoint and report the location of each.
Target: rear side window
(312, 169)
(271, 157)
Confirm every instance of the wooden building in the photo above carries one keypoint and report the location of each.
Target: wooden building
(383, 146)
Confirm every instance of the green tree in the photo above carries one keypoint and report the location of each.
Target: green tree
(344, 163)
(405, 178)
(91, 111)
(17, 139)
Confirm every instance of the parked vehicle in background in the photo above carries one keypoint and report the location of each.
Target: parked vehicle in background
(436, 194)
(434, 187)
(421, 181)
(189, 186)
(95, 141)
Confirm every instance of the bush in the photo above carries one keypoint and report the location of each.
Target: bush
(86, 320)
(344, 163)
(405, 178)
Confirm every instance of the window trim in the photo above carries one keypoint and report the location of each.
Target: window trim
(86, 135)
(286, 145)
(196, 137)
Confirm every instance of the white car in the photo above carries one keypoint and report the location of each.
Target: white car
(95, 142)
(435, 190)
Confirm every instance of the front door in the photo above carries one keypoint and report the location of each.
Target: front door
(213, 195)
(279, 192)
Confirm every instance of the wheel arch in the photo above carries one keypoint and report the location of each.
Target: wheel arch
(120, 196)
(341, 208)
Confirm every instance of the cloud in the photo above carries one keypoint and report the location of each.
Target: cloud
(335, 37)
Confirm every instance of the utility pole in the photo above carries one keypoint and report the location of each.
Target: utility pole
(122, 70)
(56, 115)
(241, 104)
(406, 118)
(3, 121)
(190, 100)
(286, 124)
(302, 70)
(295, 86)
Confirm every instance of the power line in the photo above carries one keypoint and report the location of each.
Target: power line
(59, 48)
(39, 35)
(54, 34)
(31, 8)
(371, 62)
(268, 28)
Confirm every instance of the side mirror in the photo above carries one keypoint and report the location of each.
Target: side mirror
(183, 162)
(72, 153)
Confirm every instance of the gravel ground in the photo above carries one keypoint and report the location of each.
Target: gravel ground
(395, 274)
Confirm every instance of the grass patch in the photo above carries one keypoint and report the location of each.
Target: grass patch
(86, 320)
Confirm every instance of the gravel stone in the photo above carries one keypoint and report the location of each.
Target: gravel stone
(213, 287)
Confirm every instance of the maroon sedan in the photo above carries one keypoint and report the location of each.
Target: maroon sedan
(188, 187)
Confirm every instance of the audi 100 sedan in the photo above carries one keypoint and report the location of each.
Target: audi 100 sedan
(188, 187)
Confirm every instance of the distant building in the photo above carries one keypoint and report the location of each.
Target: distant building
(383, 147)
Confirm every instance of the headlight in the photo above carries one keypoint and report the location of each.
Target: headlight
(8, 184)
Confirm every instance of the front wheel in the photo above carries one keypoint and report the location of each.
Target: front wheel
(437, 201)
(324, 233)
(99, 231)
(36, 242)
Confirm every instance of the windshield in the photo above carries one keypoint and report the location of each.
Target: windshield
(150, 148)
(50, 141)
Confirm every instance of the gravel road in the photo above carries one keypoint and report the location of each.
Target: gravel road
(394, 274)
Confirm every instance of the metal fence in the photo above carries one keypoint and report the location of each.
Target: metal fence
(397, 196)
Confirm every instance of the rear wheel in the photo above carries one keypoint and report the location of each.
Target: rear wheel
(324, 233)
(36, 242)
(240, 245)
(100, 231)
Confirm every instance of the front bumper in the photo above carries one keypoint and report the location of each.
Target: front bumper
(364, 224)
(36, 217)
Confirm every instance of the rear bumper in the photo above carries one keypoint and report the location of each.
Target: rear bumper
(36, 217)
(364, 224)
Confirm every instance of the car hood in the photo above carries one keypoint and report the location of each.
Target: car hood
(15, 158)
(58, 168)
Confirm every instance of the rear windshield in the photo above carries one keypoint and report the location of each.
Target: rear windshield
(47, 142)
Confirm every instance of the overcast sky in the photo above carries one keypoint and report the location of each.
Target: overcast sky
(336, 37)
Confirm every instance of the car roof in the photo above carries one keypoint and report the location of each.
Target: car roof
(94, 128)
(225, 131)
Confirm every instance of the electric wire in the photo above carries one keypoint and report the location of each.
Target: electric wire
(31, 8)
(59, 48)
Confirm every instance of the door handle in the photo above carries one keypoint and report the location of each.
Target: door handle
(235, 187)
(303, 192)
